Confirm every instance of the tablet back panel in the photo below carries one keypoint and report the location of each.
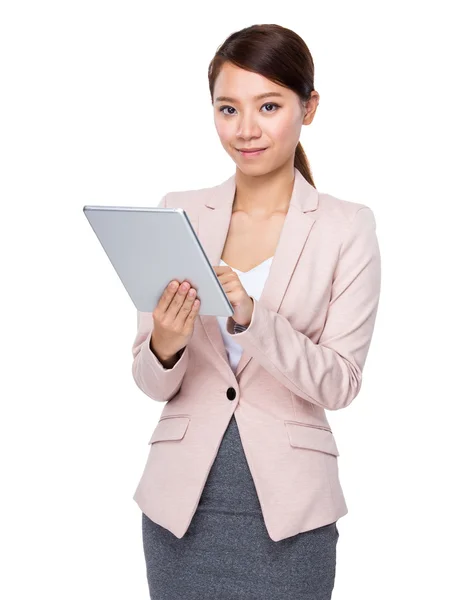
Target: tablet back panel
(150, 246)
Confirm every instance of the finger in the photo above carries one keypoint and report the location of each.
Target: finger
(167, 296)
(194, 312)
(178, 300)
(186, 307)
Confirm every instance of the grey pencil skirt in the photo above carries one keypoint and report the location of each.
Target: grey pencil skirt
(227, 554)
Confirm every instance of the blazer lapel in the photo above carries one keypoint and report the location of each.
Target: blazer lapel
(213, 226)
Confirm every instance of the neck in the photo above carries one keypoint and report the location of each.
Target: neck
(264, 195)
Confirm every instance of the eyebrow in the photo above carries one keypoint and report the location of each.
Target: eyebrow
(265, 95)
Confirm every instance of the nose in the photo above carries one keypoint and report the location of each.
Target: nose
(248, 127)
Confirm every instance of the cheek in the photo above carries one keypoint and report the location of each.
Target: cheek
(226, 137)
(223, 131)
(286, 132)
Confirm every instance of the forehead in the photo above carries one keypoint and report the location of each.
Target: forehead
(242, 85)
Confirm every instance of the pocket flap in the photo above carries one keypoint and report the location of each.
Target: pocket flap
(170, 428)
(309, 436)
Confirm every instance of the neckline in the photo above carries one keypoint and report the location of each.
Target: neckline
(250, 270)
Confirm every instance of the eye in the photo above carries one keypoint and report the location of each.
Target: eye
(271, 104)
(222, 108)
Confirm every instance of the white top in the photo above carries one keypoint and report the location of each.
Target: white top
(253, 282)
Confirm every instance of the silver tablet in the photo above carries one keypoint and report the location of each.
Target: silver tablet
(149, 247)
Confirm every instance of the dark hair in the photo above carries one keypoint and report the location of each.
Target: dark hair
(276, 53)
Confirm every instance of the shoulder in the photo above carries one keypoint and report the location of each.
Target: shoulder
(332, 213)
(188, 199)
(338, 218)
(337, 210)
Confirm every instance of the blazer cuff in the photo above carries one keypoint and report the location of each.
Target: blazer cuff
(154, 379)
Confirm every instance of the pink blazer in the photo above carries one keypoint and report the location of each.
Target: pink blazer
(303, 353)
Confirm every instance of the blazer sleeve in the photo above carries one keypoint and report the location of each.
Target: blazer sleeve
(149, 374)
(327, 373)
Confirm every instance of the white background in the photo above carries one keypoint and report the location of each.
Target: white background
(108, 103)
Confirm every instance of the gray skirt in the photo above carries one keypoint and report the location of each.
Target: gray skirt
(227, 554)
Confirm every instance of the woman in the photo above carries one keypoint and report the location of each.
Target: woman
(240, 494)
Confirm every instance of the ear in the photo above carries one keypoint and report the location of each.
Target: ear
(310, 108)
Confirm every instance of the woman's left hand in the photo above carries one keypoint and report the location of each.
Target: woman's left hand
(242, 303)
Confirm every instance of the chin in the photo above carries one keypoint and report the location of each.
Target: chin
(253, 171)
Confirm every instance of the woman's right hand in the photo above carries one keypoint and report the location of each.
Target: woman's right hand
(174, 319)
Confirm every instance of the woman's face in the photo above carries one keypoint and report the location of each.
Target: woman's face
(244, 120)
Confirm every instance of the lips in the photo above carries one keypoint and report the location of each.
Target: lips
(251, 149)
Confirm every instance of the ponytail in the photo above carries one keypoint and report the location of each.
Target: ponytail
(302, 165)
